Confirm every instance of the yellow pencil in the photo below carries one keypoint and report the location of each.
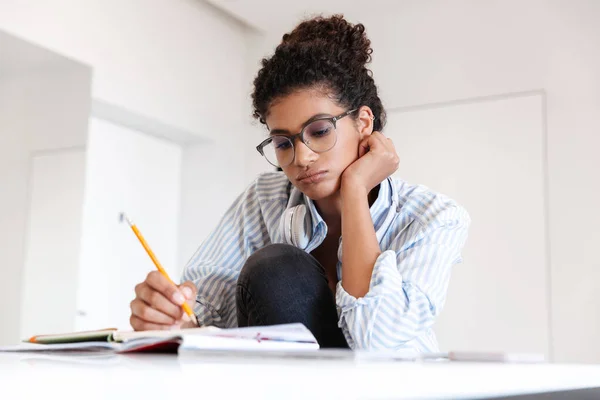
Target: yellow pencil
(160, 268)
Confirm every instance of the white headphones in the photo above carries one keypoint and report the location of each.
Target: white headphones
(296, 226)
(296, 223)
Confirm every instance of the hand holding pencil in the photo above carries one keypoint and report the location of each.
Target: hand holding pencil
(160, 304)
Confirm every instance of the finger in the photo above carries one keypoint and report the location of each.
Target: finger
(157, 301)
(189, 290)
(140, 325)
(390, 143)
(161, 284)
(363, 147)
(144, 312)
(380, 138)
(387, 143)
(391, 148)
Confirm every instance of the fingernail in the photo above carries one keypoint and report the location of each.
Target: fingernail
(174, 327)
(187, 292)
(186, 317)
(178, 298)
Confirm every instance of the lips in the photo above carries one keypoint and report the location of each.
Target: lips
(311, 176)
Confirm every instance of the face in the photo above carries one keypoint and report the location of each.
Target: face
(289, 114)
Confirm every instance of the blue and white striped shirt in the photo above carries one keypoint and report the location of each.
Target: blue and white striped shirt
(421, 235)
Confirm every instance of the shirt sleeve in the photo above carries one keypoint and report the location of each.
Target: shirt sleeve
(408, 285)
(215, 266)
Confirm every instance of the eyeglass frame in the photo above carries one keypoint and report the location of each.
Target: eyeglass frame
(300, 136)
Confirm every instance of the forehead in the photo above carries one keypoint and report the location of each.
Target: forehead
(292, 111)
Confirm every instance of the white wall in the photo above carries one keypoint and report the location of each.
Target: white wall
(14, 170)
(44, 104)
(50, 273)
(127, 171)
(180, 63)
(437, 51)
(498, 298)
(257, 46)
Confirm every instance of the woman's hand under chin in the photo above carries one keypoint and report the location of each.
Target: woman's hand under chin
(377, 159)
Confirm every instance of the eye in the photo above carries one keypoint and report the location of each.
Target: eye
(281, 143)
(319, 129)
(321, 132)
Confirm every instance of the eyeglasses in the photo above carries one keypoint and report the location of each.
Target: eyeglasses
(319, 135)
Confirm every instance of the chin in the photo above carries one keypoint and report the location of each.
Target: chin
(321, 190)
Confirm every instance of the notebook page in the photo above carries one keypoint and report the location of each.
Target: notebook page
(124, 336)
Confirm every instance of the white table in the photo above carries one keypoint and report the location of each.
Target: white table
(171, 377)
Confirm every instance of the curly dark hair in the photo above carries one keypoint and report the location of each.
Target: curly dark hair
(329, 54)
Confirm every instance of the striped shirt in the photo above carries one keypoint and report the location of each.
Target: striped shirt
(421, 235)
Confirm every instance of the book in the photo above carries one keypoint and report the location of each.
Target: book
(264, 338)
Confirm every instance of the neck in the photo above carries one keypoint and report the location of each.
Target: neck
(330, 209)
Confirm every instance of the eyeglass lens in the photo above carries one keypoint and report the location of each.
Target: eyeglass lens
(319, 136)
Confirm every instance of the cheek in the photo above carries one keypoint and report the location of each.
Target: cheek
(347, 151)
(340, 157)
(288, 171)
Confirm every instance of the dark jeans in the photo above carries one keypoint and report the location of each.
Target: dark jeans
(282, 284)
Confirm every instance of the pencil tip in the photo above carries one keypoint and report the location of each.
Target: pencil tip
(123, 218)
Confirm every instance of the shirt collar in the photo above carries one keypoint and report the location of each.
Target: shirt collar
(379, 209)
(317, 221)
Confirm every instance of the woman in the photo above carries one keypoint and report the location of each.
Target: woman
(277, 255)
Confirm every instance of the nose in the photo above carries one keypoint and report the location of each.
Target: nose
(304, 156)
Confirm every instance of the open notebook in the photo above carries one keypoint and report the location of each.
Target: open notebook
(276, 337)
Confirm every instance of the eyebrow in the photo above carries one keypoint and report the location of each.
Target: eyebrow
(287, 132)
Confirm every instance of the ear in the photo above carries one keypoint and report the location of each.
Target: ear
(365, 121)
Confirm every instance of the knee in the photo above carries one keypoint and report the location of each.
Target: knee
(276, 262)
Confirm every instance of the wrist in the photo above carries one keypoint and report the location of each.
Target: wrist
(352, 186)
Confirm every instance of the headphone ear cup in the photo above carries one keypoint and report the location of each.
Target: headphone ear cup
(285, 225)
(296, 227)
(301, 227)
